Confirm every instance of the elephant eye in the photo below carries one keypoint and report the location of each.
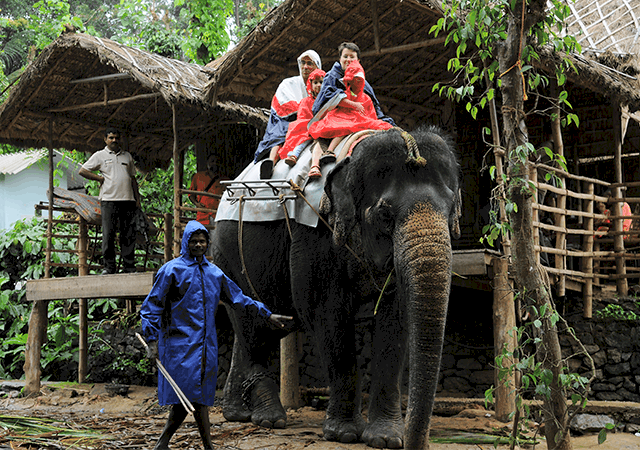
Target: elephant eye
(380, 216)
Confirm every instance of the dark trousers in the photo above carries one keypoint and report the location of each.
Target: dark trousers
(118, 216)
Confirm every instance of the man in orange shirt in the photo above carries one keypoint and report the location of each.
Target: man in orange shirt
(207, 181)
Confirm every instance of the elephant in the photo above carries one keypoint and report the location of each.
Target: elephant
(392, 207)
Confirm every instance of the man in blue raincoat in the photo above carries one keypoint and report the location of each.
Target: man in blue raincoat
(178, 320)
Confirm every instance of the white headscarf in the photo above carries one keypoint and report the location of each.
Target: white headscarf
(314, 57)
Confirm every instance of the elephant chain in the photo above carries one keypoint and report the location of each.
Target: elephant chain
(250, 383)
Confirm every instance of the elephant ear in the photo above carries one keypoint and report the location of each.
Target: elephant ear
(456, 213)
(337, 201)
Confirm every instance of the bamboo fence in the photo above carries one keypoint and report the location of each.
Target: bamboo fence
(603, 260)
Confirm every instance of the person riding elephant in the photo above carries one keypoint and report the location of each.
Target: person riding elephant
(393, 206)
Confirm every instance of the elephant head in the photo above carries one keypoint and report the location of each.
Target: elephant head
(396, 201)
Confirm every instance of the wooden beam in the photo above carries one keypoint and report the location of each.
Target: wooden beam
(618, 240)
(405, 47)
(376, 25)
(113, 76)
(103, 103)
(177, 185)
(91, 286)
(83, 326)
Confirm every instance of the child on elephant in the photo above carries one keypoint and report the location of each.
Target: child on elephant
(298, 132)
(355, 112)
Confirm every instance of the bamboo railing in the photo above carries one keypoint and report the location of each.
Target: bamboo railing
(581, 254)
(88, 241)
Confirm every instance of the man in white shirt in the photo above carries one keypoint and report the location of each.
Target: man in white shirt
(119, 199)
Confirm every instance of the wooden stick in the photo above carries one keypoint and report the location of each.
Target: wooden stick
(183, 398)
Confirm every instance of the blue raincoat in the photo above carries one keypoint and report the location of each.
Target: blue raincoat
(179, 313)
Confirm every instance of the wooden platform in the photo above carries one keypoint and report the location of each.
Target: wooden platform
(126, 285)
(474, 262)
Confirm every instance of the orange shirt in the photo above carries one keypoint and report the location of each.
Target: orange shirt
(198, 183)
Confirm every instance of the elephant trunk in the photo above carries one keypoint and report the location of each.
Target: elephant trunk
(423, 267)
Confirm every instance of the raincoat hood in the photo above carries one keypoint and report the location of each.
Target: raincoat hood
(314, 57)
(318, 73)
(191, 228)
(354, 70)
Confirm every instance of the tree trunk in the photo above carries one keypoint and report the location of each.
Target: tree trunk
(530, 276)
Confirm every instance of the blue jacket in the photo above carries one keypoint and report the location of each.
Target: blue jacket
(332, 85)
(179, 313)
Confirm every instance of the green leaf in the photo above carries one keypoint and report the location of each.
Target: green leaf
(602, 436)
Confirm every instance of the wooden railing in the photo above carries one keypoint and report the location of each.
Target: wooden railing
(581, 255)
(88, 239)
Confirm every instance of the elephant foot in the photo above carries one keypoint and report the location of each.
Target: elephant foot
(343, 431)
(234, 409)
(267, 409)
(384, 434)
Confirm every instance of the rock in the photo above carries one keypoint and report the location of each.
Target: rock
(456, 384)
(608, 396)
(618, 369)
(599, 358)
(482, 377)
(614, 356)
(587, 423)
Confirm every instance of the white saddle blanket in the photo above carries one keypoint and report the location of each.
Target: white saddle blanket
(266, 200)
(261, 198)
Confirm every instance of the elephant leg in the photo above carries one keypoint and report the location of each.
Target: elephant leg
(343, 421)
(386, 426)
(250, 392)
(234, 408)
(318, 281)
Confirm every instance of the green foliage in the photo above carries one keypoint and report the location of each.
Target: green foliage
(207, 36)
(602, 435)
(249, 13)
(536, 380)
(617, 312)
(49, 19)
(477, 29)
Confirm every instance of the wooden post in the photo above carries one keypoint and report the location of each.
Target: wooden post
(83, 332)
(289, 375)
(168, 237)
(587, 261)
(177, 186)
(504, 321)
(618, 239)
(38, 319)
(498, 153)
(559, 219)
(535, 212)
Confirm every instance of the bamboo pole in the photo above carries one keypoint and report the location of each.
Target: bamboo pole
(587, 261)
(503, 337)
(83, 332)
(38, 320)
(533, 175)
(177, 185)
(168, 236)
(560, 219)
(498, 153)
(618, 239)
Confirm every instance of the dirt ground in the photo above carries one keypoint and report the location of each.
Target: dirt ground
(135, 420)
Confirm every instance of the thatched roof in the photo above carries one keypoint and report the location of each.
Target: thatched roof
(606, 25)
(83, 83)
(401, 59)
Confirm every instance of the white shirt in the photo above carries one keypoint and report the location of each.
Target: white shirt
(117, 170)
